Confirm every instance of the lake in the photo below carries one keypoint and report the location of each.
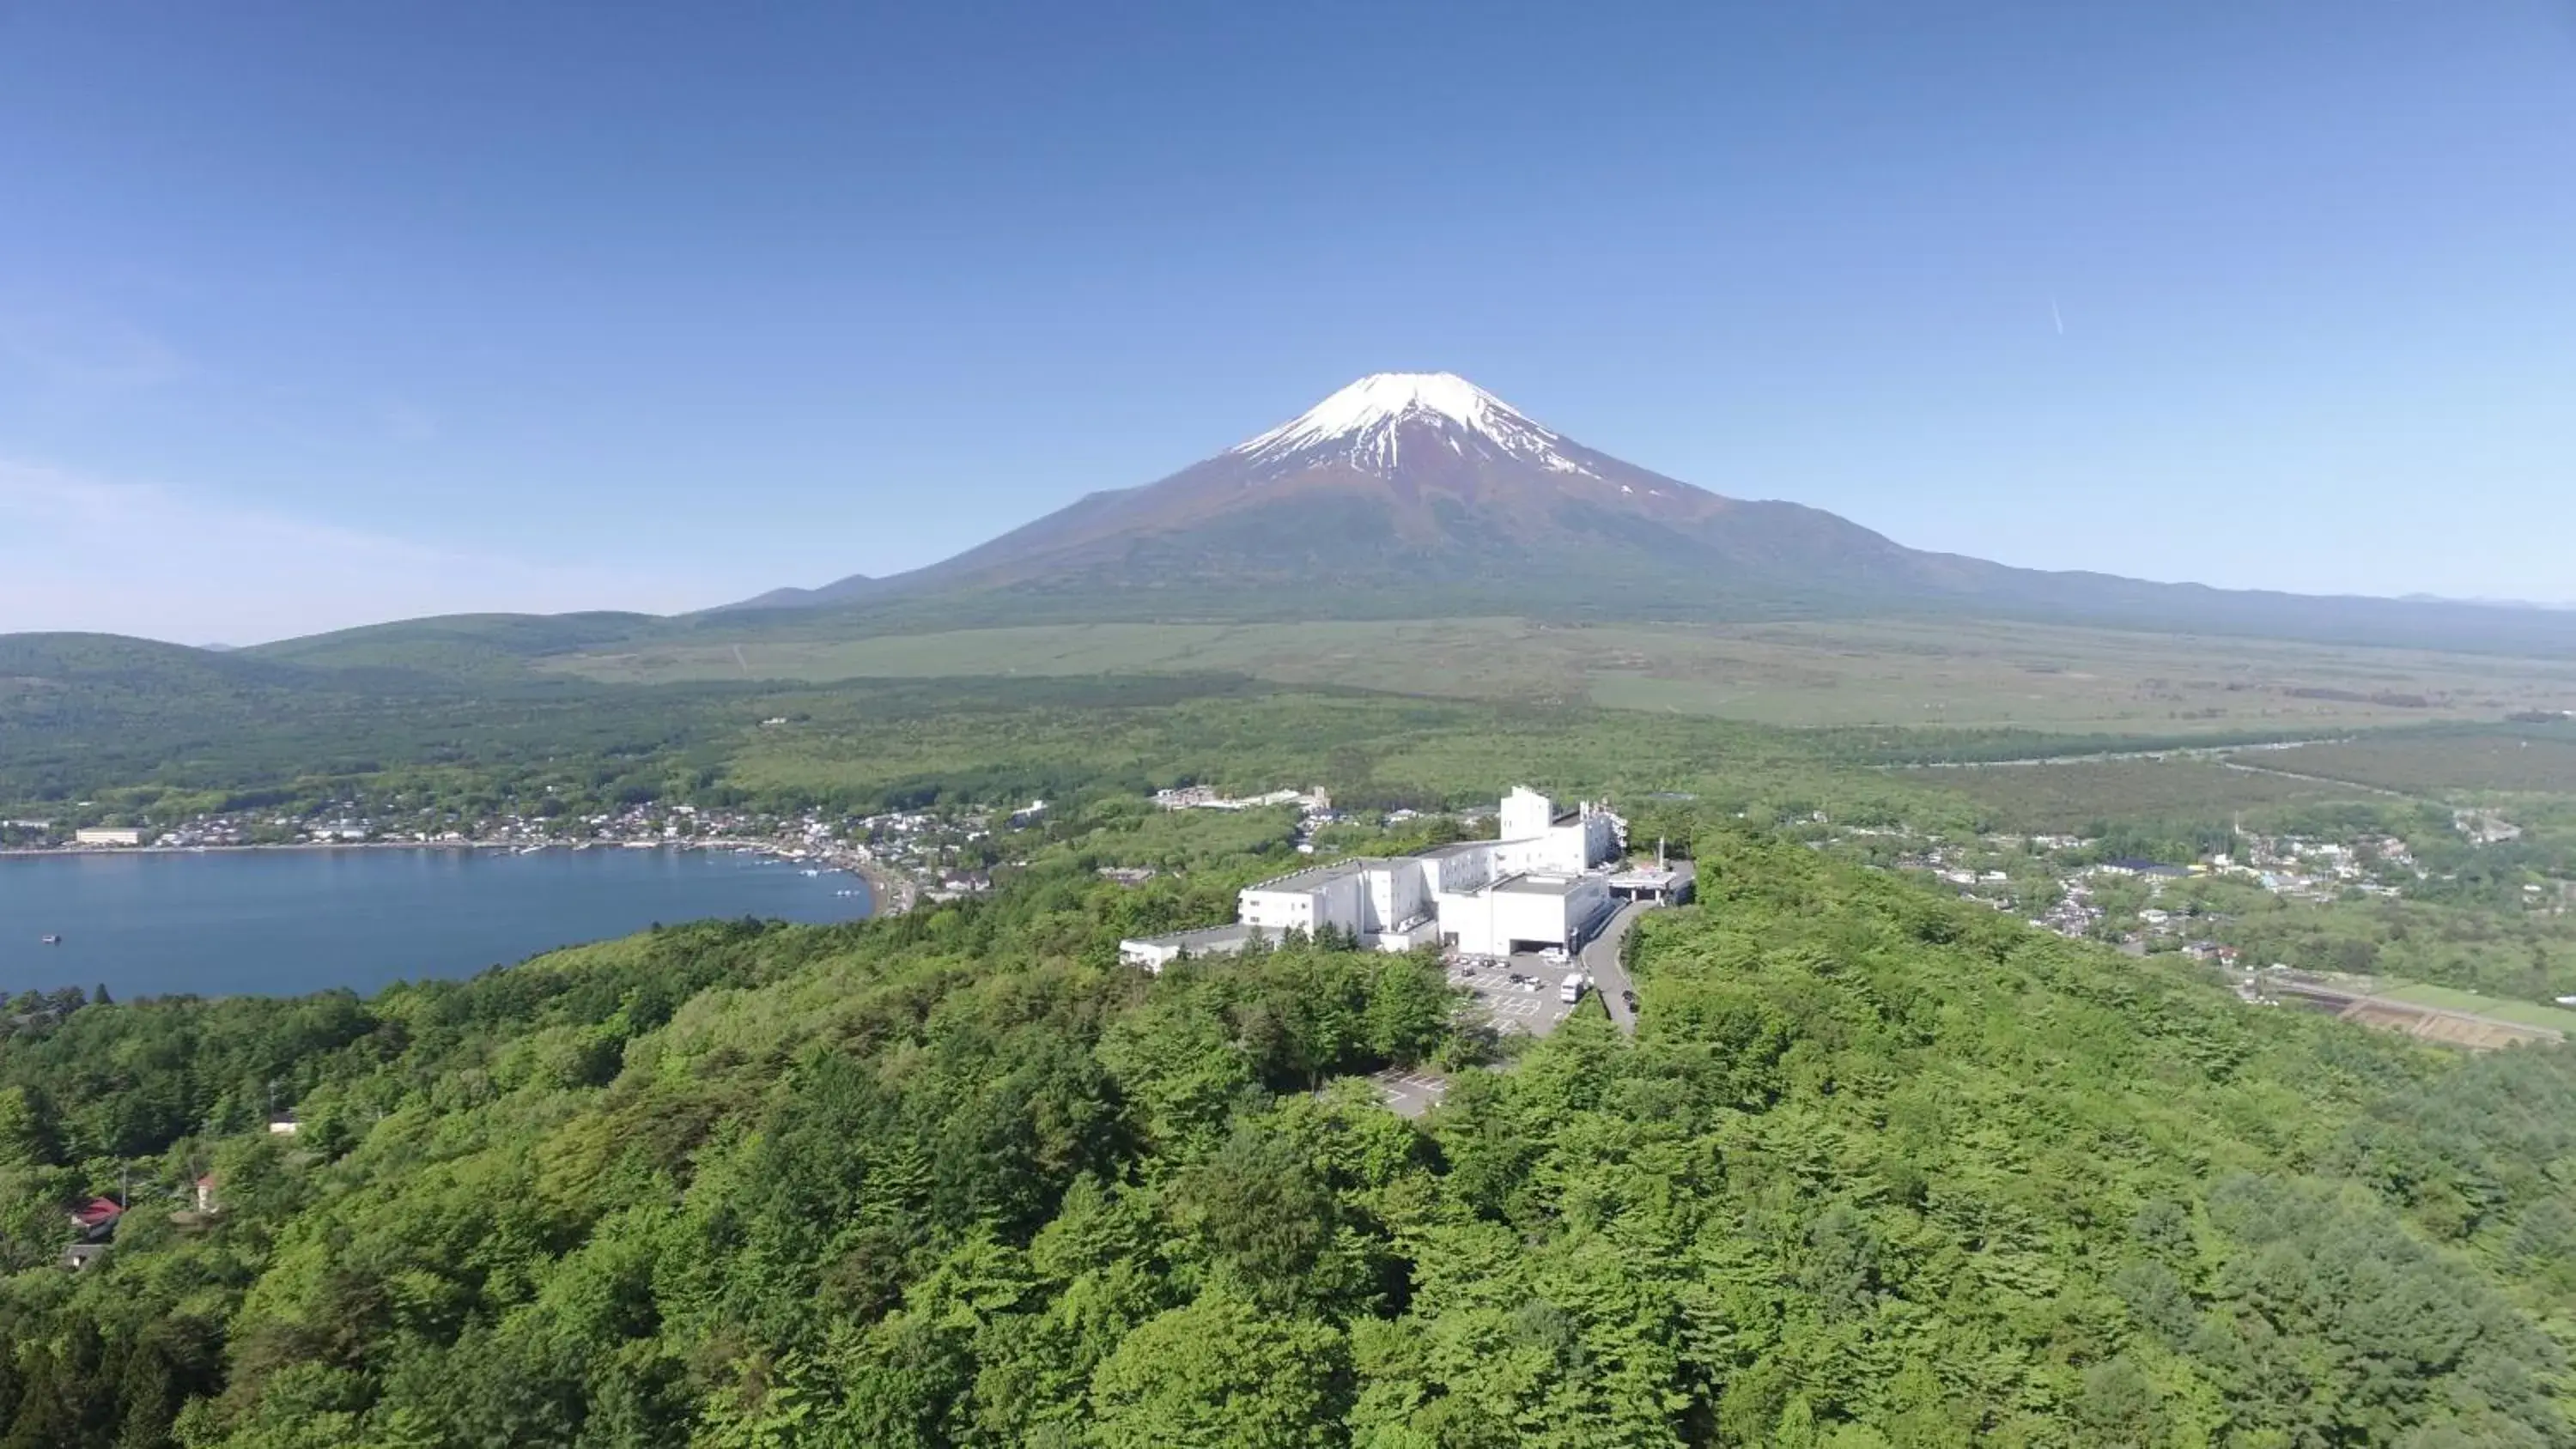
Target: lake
(290, 921)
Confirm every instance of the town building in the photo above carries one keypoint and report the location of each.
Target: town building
(1539, 883)
(1156, 952)
(2149, 869)
(1205, 797)
(108, 835)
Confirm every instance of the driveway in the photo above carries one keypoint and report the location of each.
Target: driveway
(1601, 963)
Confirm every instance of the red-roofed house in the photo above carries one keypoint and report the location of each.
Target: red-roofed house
(97, 1217)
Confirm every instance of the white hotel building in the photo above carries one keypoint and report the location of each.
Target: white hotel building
(1538, 884)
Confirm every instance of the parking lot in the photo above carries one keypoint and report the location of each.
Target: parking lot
(1530, 1005)
(1410, 1092)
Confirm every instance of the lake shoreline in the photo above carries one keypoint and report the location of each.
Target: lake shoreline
(289, 921)
(889, 892)
(506, 847)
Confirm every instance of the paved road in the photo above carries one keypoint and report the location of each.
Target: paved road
(1601, 963)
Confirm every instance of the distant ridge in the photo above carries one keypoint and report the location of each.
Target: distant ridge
(840, 591)
(2561, 606)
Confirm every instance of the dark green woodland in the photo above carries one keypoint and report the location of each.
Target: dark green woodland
(1879, 1169)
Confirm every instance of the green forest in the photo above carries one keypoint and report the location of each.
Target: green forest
(1880, 1169)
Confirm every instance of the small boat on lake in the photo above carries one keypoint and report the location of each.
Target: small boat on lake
(49, 940)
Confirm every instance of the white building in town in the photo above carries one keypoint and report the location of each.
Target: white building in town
(1538, 884)
(1156, 952)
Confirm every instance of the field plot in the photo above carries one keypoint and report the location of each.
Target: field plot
(2427, 1013)
(2448, 998)
(2478, 1033)
(1962, 673)
(2078, 796)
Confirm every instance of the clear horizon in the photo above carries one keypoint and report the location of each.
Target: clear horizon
(329, 318)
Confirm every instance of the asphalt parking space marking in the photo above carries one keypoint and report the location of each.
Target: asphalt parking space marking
(1410, 1093)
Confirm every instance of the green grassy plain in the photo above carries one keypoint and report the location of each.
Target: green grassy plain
(2080, 795)
(1959, 674)
(2537, 760)
(1381, 747)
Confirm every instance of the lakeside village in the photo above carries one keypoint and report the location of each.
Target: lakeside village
(946, 853)
(905, 856)
(2062, 883)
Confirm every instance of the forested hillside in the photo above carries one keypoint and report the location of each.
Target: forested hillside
(1881, 1169)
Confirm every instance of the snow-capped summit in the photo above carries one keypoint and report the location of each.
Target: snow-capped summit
(1365, 425)
(1402, 486)
(1412, 495)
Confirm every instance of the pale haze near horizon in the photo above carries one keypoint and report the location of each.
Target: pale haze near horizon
(314, 317)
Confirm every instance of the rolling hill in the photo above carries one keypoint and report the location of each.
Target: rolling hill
(455, 646)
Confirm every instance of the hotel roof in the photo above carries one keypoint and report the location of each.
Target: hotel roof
(1208, 938)
(1540, 885)
(1315, 875)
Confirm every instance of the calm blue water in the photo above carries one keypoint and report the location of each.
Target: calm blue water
(288, 921)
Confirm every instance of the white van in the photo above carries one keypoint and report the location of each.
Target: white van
(1572, 991)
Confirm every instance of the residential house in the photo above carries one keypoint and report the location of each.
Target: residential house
(96, 1218)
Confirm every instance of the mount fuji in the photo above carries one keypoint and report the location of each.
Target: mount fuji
(1403, 484)
(1423, 495)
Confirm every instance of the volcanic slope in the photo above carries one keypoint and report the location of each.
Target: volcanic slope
(1422, 495)
(1409, 489)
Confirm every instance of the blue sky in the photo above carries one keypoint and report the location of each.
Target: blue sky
(312, 315)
